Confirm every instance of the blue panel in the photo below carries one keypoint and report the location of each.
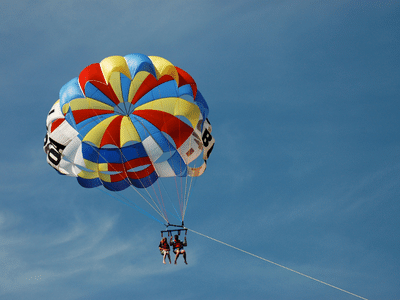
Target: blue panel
(166, 89)
(178, 165)
(70, 118)
(90, 152)
(144, 182)
(143, 133)
(110, 155)
(93, 92)
(85, 126)
(89, 183)
(71, 90)
(185, 90)
(163, 142)
(150, 128)
(125, 85)
(139, 62)
(133, 151)
(116, 186)
(202, 104)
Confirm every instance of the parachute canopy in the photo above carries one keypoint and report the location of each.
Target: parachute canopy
(128, 121)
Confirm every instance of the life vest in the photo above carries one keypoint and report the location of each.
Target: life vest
(178, 244)
(165, 245)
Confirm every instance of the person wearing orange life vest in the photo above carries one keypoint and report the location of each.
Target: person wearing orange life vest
(164, 249)
(178, 247)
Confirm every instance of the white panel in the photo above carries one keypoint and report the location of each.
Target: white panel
(152, 149)
(78, 159)
(163, 169)
(54, 114)
(66, 168)
(64, 133)
(72, 148)
(191, 148)
(73, 154)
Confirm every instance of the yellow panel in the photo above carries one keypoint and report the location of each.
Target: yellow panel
(65, 108)
(176, 107)
(88, 175)
(105, 177)
(91, 165)
(115, 81)
(96, 134)
(95, 174)
(189, 110)
(128, 131)
(103, 167)
(113, 64)
(164, 67)
(136, 83)
(88, 103)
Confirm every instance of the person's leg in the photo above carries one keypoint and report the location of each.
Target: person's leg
(176, 256)
(165, 254)
(184, 256)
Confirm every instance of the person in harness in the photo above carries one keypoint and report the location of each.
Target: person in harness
(164, 249)
(178, 247)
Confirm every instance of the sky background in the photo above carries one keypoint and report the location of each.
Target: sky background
(304, 103)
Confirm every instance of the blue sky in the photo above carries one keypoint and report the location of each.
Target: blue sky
(304, 103)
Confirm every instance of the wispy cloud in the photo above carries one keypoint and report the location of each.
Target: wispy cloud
(84, 247)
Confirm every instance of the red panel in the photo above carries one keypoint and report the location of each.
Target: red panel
(107, 90)
(118, 177)
(56, 123)
(94, 75)
(91, 73)
(167, 123)
(112, 135)
(148, 84)
(133, 175)
(83, 114)
(137, 162)
(115, 167)
(141, 174)
(185, 78)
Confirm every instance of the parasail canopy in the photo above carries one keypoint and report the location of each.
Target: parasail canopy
(127, 122)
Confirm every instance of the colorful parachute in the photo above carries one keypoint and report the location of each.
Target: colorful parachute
(128, 121)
